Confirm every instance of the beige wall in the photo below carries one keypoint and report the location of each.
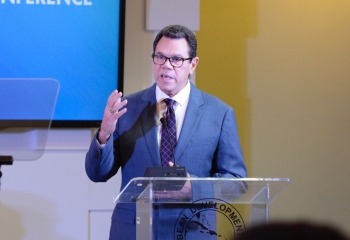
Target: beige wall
(138, 48)
(299, 72)
(284, 67)
(222, 50)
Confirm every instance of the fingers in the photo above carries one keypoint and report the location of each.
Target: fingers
(114, 110)
(184, 193)
(115, 103)
(114, 99)
(115, 95)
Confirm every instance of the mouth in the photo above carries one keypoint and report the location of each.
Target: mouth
(166, 77)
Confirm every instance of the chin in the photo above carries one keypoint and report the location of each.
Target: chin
(167, 91)
(166, 87)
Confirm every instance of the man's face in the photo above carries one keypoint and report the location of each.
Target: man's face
(169, 79)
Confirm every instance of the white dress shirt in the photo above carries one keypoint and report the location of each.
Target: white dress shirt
(180, 107)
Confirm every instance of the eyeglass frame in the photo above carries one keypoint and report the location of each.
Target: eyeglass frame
(166, 59)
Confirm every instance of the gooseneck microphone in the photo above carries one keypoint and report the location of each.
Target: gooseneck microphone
(165, 124)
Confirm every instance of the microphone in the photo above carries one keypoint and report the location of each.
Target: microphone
(165, 123)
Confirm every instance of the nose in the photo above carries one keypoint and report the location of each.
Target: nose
(167, 64)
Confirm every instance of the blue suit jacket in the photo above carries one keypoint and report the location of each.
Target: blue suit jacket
(208, 146)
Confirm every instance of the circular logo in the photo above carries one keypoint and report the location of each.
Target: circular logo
(207, 219)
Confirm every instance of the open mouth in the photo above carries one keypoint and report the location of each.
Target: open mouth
(166, 77)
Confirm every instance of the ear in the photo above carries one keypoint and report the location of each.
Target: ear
(194, 63)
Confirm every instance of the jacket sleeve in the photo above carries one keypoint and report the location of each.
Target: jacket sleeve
(229, 157)
(99, 162)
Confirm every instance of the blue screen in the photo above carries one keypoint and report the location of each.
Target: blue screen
(75, 42)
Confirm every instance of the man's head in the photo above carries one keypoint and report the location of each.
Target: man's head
(174, 58)
(177, 32)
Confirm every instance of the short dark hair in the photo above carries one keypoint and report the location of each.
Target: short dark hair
(177, 32)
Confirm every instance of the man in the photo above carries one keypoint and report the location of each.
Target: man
(130, 137)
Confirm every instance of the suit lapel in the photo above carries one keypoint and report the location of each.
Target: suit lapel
(192, 117)
(149, 126)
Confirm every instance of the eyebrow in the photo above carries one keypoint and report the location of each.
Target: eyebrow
(175, 55)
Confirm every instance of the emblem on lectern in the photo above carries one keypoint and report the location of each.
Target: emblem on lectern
(209, 219)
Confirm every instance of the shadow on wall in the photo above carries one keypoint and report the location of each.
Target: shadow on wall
(222, 50)
(10, 223)
(38, 214)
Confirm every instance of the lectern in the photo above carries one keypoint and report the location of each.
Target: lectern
(217, 208)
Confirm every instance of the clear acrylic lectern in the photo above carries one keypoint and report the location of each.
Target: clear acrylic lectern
(211, 208)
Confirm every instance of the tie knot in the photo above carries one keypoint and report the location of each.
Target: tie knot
(169, 102)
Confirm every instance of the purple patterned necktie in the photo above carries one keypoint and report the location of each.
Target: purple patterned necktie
(166, 147)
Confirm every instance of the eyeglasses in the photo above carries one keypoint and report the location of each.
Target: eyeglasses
(174, 61)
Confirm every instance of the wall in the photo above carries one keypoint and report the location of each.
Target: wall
(285, 67)
(138, 48)
(51, 197)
